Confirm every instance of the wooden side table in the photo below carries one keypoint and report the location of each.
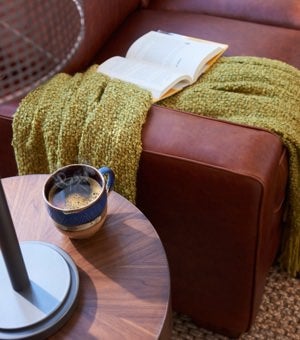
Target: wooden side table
(124, 276)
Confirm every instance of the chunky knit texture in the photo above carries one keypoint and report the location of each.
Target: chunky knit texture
(90, 119)
(85, 118)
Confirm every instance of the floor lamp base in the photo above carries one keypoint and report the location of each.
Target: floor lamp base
(42, 308)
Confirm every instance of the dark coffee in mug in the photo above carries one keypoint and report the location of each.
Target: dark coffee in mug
(76, 197)
(74, 192)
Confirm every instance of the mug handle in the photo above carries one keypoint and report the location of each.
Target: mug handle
(109, 177)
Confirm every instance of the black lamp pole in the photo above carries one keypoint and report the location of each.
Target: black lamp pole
(10, 247)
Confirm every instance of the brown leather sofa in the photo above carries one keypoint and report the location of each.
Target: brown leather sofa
(213, 190)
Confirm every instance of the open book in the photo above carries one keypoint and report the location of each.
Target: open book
(163, 63)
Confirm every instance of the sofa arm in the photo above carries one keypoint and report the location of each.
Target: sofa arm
(273, 12)
(214, 191)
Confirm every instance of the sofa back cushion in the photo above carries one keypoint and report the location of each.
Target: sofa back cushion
(284, 13)
(102, 18)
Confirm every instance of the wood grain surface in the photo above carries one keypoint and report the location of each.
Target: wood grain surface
(124, 276)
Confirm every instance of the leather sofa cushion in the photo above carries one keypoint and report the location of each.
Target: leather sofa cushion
(273, 12)
(102, 17)
(244, 38)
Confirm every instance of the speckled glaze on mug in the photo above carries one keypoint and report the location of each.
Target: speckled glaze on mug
(84, 221)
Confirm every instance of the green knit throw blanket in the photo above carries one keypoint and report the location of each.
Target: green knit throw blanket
(88, 118)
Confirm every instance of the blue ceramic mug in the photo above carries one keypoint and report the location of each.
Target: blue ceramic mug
(76, 198)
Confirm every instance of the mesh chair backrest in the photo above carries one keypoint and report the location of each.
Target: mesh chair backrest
(37, 39)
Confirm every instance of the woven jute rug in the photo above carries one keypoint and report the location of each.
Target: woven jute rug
(278, 317)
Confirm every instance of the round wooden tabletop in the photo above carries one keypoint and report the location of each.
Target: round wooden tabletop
(124, 276)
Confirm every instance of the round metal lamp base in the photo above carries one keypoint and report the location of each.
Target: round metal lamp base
(42, 308)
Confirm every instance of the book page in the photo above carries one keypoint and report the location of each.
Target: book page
(175, 51)
(156, 79)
